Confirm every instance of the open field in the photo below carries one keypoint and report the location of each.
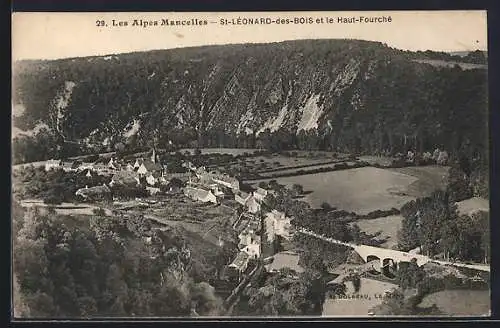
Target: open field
(460, 302)
(389, 226)
(428, 179)
(361, 190)
(357, 307)
(472, 205)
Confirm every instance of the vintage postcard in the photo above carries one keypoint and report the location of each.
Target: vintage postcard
(250, 165)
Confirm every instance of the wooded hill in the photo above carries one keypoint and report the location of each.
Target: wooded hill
(345, 95)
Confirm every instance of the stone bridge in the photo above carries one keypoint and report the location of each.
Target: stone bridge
(389, 257)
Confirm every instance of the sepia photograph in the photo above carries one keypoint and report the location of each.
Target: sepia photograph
(199, 165)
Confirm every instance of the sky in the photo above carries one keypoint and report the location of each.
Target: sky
(63, 35)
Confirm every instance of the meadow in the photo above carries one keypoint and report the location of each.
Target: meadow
(360, 190)
(460, 302)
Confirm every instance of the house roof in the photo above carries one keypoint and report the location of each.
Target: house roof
(243, 195)
(240, 259)
(150, 166)
(225, 178)
(196, 192)
(155, 174)
(85, 172)
(125, 177)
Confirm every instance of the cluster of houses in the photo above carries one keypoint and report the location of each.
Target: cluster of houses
(250, 238)
(212, 187)
(207, 186)
(140, 172)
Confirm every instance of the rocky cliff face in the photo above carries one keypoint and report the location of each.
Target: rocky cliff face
(336, 88)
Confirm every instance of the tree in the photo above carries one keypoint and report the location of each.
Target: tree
(298, 189)
(482, 220)
(458, 184)
(409, 275)
(326, 206)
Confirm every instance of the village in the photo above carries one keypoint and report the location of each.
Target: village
(255, 227)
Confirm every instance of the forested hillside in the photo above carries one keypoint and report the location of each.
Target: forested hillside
(344, 95)
(108, 267)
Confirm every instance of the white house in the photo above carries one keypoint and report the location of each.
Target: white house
(129, 167)
(201, 195)
(151, 179)
(52, 164)
(242, 197)
(138, 163)
(277, 224)
(253, 250)
(260, 194)
(247, 237)
(252, 205)
(240, 263)
(112, 164)
(216, 191)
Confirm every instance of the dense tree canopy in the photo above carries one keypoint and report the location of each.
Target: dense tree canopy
(106, 268)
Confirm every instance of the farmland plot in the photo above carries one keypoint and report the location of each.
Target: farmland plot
(429, 179)
(360, 190)
(460, 302)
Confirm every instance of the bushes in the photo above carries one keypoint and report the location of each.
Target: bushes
(90, 159)
(379, 214)
(53, 199)
(326, 206)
